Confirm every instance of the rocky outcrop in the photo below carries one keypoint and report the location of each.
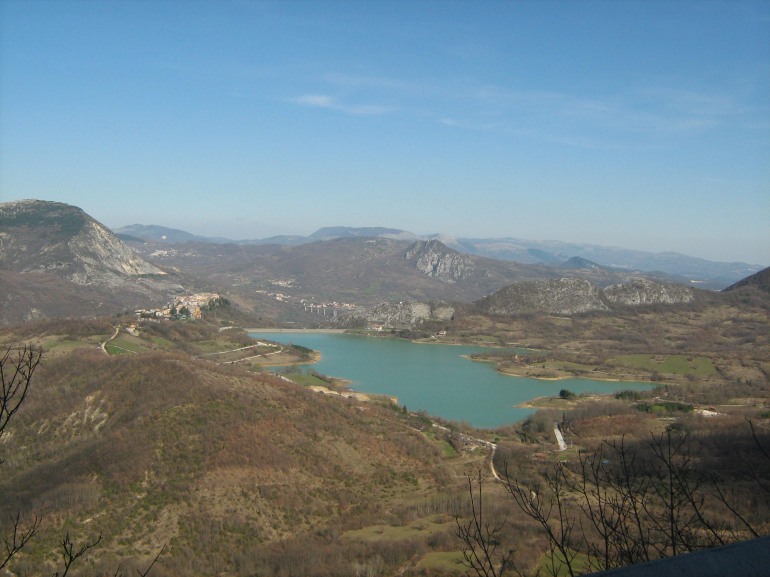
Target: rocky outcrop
(570, 296)
(566, 296)
(434, 259)
(643, 292)
(55, 261)
(52, 237)
(104, 258)
(407, 314)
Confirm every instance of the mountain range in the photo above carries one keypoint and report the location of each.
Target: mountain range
(705, 273)
(55, 260)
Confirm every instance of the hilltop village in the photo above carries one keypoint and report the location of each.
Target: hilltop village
(182, 307)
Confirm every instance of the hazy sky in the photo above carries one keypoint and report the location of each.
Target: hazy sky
(643, 125)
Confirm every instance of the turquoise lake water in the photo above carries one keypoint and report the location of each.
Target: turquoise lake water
(434, 378)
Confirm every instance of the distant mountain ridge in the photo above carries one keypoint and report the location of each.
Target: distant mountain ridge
(55, 260)
(330, 233)
(704, 273)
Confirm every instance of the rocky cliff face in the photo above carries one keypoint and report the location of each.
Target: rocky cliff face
(567, 296)
(52, 237)
(434, 259)
(570, 296)
(642, 291)
(55, 261)
(407, 314)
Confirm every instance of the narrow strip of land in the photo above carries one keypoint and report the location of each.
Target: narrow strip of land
(103, 345)
(275, 330)
(559, 437)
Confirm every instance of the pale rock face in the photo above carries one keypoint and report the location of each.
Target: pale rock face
(63, 241)
(408, 314)
(565, 296)
(443, 312)
(570, 296)
(642, 291)
(437, 261)
(98, 249)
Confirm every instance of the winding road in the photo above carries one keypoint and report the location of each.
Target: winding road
(103, 345)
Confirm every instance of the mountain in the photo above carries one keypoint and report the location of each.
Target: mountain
(357, 270)
(760, 280)
(71, 263)
(57, 260)
(571, 296)
(334, 232)
(435, 259)
(704, 273)
(160, 233)
(578, 262)
(566, 296)
(175, 236)
(285, 283)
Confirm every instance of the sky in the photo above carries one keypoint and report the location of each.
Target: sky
(643, 125)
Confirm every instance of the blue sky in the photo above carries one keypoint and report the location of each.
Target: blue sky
(644, 125)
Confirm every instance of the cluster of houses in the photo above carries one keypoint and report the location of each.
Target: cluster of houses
(182, 307)
(324, 309)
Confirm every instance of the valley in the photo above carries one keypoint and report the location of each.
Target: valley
(158, 426)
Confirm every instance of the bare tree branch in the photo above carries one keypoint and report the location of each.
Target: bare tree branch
(481, 540)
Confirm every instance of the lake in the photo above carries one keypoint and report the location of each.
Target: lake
(433, 377)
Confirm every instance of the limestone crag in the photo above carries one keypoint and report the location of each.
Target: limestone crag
(434, 259)
(52, 237)
(104, 258)
(642, 291)
(55, 260)
(566, 296)
(407, 314)
(570, 296)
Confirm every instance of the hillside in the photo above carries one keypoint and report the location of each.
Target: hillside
(281, 282)
(571, 296)
(235, 472)
(58, 261)
(759, 280)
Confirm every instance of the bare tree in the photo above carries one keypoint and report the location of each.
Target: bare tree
(71, 552)
(17, 365)
(547, 505)
(617, 505)
(481, 539)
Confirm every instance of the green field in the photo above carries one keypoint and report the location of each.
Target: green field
(124, 345)
(443, 561)
(420, 528)
(307, 380)
(669, 364)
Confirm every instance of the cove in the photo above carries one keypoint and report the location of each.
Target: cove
(435, 378)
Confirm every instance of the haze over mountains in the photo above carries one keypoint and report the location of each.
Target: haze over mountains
(709, 274)
(55, 260)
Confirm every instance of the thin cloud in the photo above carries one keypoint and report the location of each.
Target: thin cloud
(332, 103)
(315, 100)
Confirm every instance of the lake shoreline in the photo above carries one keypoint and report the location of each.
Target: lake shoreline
(300, 331)
(437, 380)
